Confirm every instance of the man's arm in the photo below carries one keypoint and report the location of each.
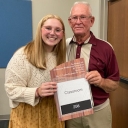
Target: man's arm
(107, 85)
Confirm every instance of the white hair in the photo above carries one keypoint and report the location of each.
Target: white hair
(82, 2)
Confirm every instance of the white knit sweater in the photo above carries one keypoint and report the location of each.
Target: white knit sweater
(22, 78)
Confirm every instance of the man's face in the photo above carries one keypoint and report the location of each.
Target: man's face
(81, 20)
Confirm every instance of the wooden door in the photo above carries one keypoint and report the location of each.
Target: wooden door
(119, 105)
(118, 37)
(118, 33)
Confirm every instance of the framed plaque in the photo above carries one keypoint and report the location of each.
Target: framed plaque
(73, 97)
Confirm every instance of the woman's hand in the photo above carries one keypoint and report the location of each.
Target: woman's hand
(46, 89)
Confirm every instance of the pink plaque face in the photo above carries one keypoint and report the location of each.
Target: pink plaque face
(73, 98)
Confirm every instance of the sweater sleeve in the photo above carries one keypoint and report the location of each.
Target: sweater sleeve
(16, 80)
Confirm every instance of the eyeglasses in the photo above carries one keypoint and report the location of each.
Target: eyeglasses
(81, 18)
(56, 30)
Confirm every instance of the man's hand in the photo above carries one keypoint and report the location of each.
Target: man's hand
(107, 85)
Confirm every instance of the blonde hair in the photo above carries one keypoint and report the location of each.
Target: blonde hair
(82, 2)
(35, 50)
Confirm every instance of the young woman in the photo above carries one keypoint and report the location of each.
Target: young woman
(27, 80)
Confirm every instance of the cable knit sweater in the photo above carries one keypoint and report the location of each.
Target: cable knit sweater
(22, 78)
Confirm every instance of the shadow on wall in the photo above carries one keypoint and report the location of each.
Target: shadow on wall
(4, 121)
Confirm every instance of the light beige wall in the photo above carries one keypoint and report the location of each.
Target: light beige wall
(61, 8)
(4, 102)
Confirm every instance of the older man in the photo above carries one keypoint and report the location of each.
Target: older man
(101, 64)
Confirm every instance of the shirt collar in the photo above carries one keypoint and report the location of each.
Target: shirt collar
(90, 40)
